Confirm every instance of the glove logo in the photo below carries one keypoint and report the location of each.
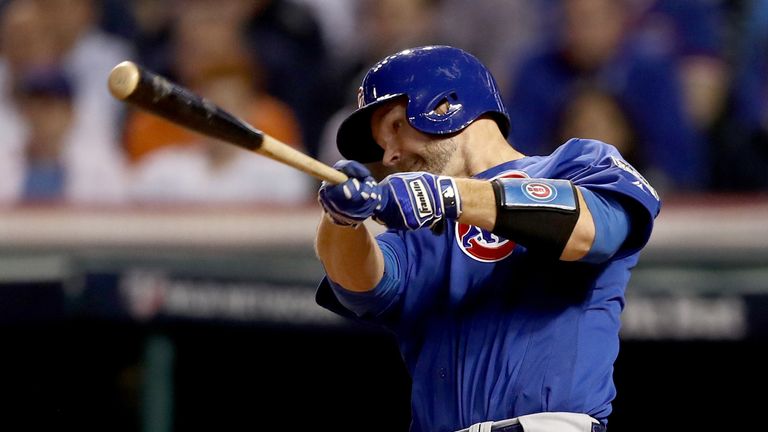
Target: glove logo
(421, 201)
(482, 245)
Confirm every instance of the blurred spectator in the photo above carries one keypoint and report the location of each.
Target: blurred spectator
(693, 32)
(329, 152)
(392, 25)
(151, 34)
(116, 17)
(173, 165)
(24, 44)
(32, 42)
(206, 40)
(594, 113)
(287, 39)
(88, 55)
(384, 27)
(45, 99)
(210, 171)
(337, 22)
(284, 36)
(387, 26)
(24, 41)
(592, 45)
(498, 32)
(49, 167)
(742, 145)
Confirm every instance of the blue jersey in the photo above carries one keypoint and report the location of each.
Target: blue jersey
(489, 331)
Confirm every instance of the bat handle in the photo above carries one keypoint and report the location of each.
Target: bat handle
(276, 150)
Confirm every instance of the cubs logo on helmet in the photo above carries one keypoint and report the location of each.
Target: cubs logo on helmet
(482, 245)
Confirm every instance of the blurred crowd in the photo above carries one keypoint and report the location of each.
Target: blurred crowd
(679, 86)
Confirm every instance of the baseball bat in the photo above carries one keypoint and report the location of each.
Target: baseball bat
(133, 84)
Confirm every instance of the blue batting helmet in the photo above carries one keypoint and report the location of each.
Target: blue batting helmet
(427, 76)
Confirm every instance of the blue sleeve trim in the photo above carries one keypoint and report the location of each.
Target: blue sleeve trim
(383, 295)
(611, 226)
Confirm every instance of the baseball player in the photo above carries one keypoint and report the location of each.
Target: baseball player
(502, 275)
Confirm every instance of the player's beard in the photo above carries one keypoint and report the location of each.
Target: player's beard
(438, 154)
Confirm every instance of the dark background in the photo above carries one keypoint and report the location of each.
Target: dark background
(85, 375)
(170, 335)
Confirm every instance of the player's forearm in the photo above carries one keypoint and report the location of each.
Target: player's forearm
(478, 203)
(583, 234)
(479, 208)
(351, 256)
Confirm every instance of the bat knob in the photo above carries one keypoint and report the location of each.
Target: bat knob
(124, 79)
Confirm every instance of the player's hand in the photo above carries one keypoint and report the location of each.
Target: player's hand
(417, 199)
(353, 201)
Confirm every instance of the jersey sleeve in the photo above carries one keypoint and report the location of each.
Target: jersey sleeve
(600, 168)
(420, 258)
(376, 304)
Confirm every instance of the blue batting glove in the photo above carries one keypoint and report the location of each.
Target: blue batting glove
(417, 199)
(353, 201)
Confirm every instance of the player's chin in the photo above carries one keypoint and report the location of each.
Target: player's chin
(379, 171)
(413, 166)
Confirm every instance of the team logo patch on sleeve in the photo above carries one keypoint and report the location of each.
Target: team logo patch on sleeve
(482, 245)
(540, 192)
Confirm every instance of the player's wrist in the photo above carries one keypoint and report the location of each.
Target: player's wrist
(340, 222)
(349, 203)
(448, 194)
(416, 200)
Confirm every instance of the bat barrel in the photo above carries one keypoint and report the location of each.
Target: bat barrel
(131, 83)
(153, 93)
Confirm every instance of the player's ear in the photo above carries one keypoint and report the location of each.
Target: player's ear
(442, 107)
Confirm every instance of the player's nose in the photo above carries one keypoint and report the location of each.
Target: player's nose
(387, 133)
(391, 155)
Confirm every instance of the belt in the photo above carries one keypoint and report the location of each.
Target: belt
(517, 427)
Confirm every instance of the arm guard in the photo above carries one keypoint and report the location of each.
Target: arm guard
(539, 214)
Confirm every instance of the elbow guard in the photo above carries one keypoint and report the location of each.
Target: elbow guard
(539, 214)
